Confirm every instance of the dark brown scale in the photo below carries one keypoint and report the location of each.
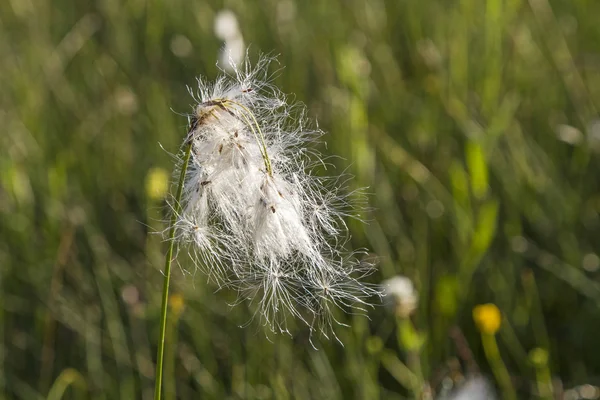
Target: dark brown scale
(218, 103)
(212, 103)
(220, 148)
(273, 209)
(200, 120)
(235, 134)
(193, 124)
(197, 121)
(248, 90)
(204, 183)
(279, 193)
(221, 106)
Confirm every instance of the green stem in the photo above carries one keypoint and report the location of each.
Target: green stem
(68, 377)
(409, 339)
(167, 272)
(490, 348)
(171, 344)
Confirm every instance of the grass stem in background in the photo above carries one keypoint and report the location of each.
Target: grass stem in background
(69, 377)
(490, 347)
(410, 340)
(539, 358)
(488, 319)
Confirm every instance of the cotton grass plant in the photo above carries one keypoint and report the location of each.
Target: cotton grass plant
(253, 214)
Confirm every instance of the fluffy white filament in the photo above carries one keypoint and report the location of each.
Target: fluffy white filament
(254, 216)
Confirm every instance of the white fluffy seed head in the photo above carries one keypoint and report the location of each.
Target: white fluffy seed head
(254, 215)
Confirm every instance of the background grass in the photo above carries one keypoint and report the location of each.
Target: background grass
(474, 124)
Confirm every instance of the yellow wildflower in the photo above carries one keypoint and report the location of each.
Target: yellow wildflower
(157, 183)
(177, 303)
(487, 317)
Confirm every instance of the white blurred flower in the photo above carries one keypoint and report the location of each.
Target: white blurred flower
(226, 25)
(569, 134)
(475, 388)
(254, 215)
(430, 53)
(226, 28)
(400, 293)
(181, 46)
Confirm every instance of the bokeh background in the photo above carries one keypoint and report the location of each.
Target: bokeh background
(473, 123)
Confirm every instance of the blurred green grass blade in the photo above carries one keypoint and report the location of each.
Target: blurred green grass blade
(68, 378)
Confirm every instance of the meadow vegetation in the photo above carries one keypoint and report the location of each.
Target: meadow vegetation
(474, 125)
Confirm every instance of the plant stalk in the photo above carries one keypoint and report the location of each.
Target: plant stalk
(167, 272)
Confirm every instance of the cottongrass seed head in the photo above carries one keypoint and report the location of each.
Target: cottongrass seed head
(255, 216)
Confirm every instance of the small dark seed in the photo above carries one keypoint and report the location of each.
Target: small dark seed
(273, 209)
